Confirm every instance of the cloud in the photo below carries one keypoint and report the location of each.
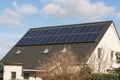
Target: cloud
(2, 40)
(83, 9)
(14, 17)
(54, 9)
(25, 8)
(11, 18)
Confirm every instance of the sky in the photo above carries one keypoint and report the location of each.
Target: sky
(18, 16)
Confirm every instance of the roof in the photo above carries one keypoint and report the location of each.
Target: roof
(32, 55)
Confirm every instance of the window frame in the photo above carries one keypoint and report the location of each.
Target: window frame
(26, 76)
(112, 55)
(99, 53)
(13, 75)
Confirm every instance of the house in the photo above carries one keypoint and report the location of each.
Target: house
(98, 42)
(1, 71)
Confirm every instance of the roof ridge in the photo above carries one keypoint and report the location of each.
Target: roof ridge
(90, 23)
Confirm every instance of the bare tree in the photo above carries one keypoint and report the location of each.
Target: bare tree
(62, 66)
(117, 70)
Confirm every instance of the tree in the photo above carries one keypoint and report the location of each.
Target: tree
(118, 61)
(64, 66)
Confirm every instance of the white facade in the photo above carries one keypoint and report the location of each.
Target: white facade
(8, 69)
(109, 44)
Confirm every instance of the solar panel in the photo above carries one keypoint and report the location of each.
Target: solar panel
(69, 34)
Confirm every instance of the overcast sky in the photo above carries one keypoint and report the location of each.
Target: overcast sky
(18, 16)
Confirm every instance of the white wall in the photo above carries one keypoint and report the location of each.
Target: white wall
(110, 42)
(18, 69)
(12, 68)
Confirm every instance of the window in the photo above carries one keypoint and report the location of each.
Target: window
(99, 52)
(26, 76)
(112, 53)
(13, 75)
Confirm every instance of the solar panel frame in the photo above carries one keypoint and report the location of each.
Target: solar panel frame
(84, 33)
(94, 36)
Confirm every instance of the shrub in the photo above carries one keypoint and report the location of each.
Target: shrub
(105, 77)
(84, 73)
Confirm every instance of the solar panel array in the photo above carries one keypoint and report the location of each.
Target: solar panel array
(69, 34)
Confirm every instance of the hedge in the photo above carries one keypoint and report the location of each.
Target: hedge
(105, 77)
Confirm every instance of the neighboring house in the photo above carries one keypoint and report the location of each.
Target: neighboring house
(1, 71)
(96, 42)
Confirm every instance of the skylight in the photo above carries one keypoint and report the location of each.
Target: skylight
(19, 50)
(46, 50)
(64, 49)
